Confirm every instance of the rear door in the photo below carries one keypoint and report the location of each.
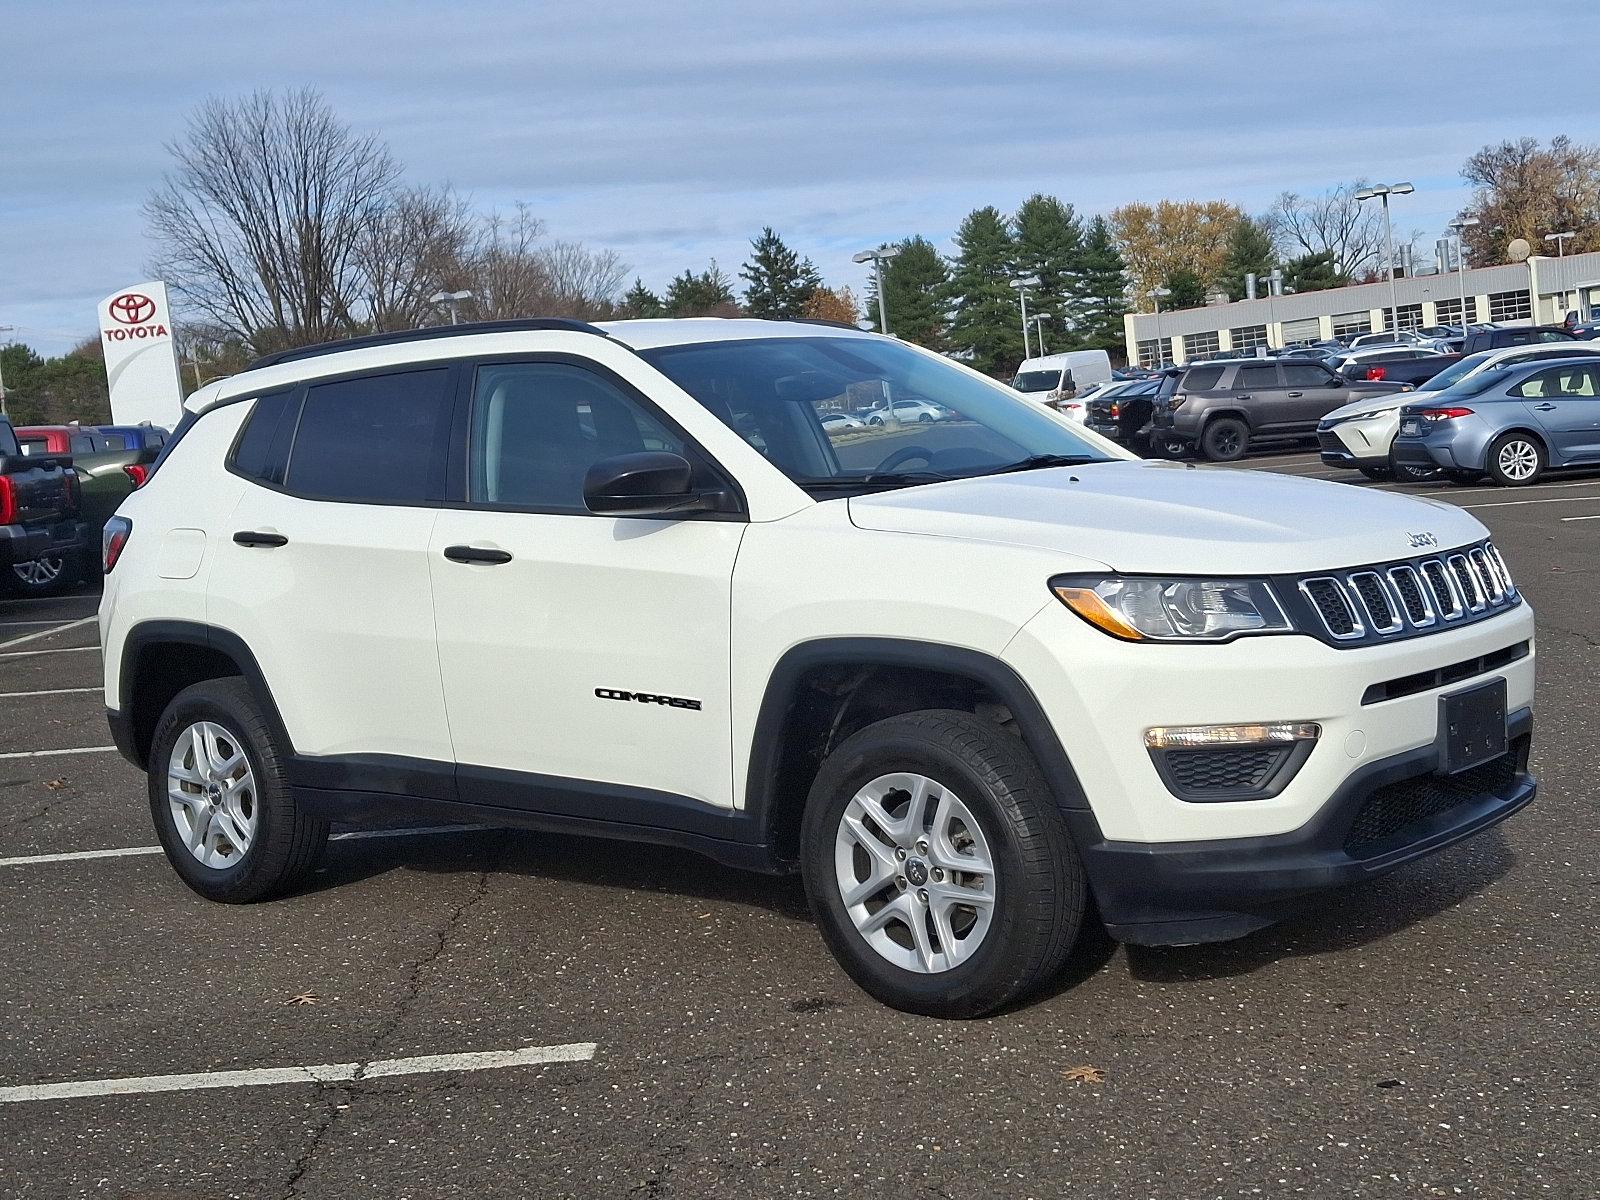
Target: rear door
(322, 569)
(1565, 401)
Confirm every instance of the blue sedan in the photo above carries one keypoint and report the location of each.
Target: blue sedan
(1510, 425)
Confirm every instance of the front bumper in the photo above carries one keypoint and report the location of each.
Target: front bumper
(1390, 812)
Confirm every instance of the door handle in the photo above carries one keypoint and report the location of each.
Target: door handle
(1545, 407)
(1244, 396)
(1295, 395)
(476, 554)
(257, 537)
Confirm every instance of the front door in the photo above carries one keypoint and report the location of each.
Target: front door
(579, 651)
(1260, 389)
(1311, 392)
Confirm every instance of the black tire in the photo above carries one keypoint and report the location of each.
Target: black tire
(923, 418)
(1227, 439)
(1040, 891)
(1523, 448)
(1464, 477)
(287, 843)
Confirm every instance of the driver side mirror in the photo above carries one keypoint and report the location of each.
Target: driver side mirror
(652, 483)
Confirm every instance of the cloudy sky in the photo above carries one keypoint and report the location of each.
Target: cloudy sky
(672, 133)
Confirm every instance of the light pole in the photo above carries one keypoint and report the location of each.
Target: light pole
(1383, 192)
(877, 258)
(1461, 225)
(4, 329)
(1155, 297)
(453, 299)
(1561, 240)
(1022, 284)
(1039, 318)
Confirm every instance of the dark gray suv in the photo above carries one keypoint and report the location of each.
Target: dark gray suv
(1222, 408)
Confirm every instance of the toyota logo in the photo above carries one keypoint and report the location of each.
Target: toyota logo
(131, 308)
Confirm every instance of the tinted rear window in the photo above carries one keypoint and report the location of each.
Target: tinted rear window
(372, 439)
(253, 453)
(1202, 378)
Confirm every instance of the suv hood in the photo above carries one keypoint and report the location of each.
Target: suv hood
(1166, 518)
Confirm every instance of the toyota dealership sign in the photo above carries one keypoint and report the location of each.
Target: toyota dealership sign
(141, 356)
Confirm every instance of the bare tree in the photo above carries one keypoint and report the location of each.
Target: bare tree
(412, 247)
(261, 219)
(513, 272)
(1334, 222)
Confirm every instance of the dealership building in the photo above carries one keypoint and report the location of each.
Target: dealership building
(1539, 291)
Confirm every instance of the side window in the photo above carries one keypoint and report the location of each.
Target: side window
(1304, 375)
(82, 443)
(1202, 379)
(114, 441)
(537, 428)
(373, 439)
(1570, 381)
(1550, 335)
(1256, 377)
(254, 453)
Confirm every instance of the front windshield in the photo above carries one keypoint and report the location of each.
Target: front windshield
(1036, 381)
(944, 423)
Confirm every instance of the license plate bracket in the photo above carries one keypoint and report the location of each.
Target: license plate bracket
(1472, 727)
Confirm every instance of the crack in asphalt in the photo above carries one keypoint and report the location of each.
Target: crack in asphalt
(670, 1155)
(341, 1096)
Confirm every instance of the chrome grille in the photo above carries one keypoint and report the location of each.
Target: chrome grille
(1422, 594)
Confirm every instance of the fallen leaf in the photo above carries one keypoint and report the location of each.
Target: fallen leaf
(302, 998)
(55, 785)
(1390, 1083)
(1086, 1075)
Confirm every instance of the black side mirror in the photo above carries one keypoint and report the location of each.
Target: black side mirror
(653, 483)
(1336, 382)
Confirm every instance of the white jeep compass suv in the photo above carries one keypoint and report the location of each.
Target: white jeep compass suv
(964, 675)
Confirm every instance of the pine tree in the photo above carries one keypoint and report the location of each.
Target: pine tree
(708, 294)
(986, 323)
(914, 292)
(1187, 288)
(1050, 247)
(780, 280)
(640, 301)
(1250, 251)
(1312, 273)
(1101, 297)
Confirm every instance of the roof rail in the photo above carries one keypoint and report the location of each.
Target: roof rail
(401, 336)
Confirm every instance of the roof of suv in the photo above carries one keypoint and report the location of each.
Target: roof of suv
(443, 342)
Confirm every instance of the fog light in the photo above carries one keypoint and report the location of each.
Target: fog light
(1190, 737)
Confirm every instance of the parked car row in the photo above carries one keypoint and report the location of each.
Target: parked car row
(60, 485)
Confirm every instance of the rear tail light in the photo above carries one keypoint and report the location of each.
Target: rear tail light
(74, 487)
(1177, 400)
(1116, 411)
(112, 539)
(1375, 373)
(8, 501)
(1444, 414)
(137, 472)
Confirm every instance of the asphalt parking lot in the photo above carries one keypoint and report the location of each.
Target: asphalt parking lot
(511, 1014)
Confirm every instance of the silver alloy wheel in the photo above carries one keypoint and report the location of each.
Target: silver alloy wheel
(211, 791)
(1518, 459)
(915, 873)
(40, 572)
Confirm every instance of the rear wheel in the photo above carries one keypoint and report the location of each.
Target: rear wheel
(1464, 477)
(1225, 440)
(940, 870)
(1516, 459)
(40, 576)
(1410, 472)
(1375, 473)
(222, 807)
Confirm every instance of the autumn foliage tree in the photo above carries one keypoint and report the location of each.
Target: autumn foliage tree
(1522, 189)
(1158, 241)
(832, 304)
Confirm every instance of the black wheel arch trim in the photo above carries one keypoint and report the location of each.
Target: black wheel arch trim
(766, 746)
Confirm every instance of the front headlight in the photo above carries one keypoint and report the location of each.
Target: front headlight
(1148, 609)
(1373, 416)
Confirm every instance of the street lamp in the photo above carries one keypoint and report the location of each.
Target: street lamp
(4, 329)
(453, 299)
(1022, 284)
(1383, 192)
(1561, 240)
(1155, 296)
(877, 258)
(1039, 318)
(1461, 225)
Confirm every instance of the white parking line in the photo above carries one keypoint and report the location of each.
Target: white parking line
(20, 624)
(1591, 517)
(1515, 503)
(383, 1068)
(355, 835)
(49, 692)
(63, 650)
(32, 637)
(57, 753)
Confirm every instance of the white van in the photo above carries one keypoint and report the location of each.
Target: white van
(1059, 379)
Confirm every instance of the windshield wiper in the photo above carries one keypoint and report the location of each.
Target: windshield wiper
(1039, 462)
(875, 479)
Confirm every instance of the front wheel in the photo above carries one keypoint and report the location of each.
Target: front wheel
(1225, 440)
(222, 807)
(940, 871)
(1516, 459)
